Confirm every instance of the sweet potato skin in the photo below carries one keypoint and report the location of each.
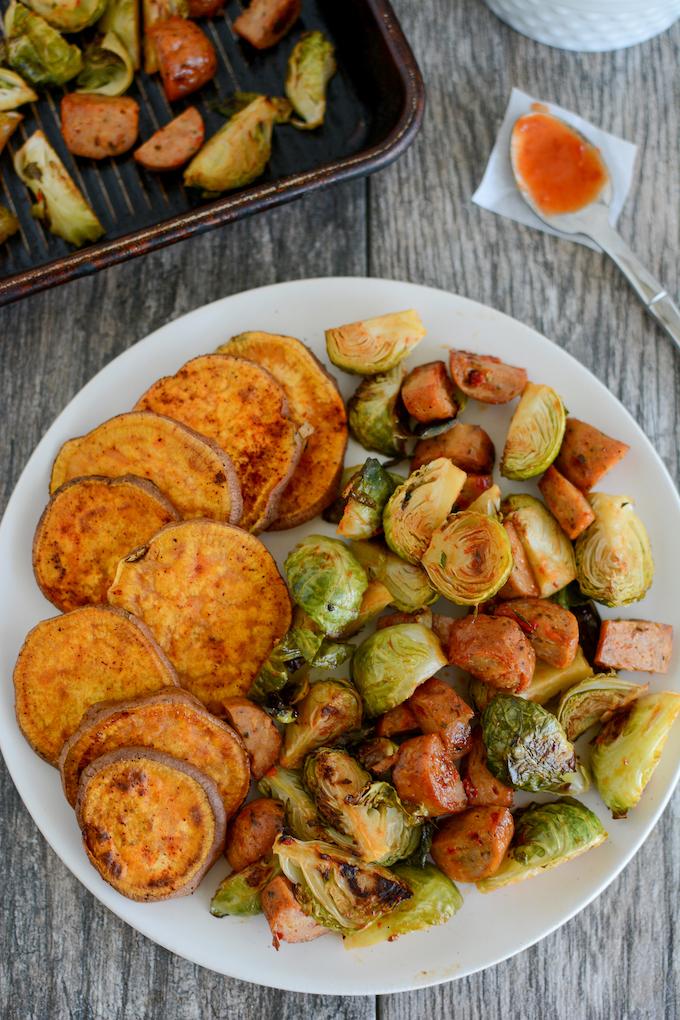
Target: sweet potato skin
(97, 127)
(567, 504)
(481, 786)
(426, 778)
(285, 916)
(258, 733)
(186, 57)
(265, 22)
(252, 832)
(587, 454)
(552, 629)
(174, 144)
(486, 378)
(428, 393)
(439, 709)
(468, 446)
(640, 645)
(472, 845)
(494, 650)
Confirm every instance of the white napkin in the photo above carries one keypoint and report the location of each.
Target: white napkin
(498, 191)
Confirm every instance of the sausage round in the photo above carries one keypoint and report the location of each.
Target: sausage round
(174, 144)
(258, 733)
(439, 709)
(468, 446)
(552, 629)
(472, 845)
(481, 787)
(486, 378)
(252, 832)
(186, 57)
(426, 778)
(493, 649)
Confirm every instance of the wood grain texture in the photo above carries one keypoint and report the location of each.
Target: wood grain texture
(64, 955)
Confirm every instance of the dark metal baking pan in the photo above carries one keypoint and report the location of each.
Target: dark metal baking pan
(375, 105)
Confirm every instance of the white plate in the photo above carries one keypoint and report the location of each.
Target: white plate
(488, 928)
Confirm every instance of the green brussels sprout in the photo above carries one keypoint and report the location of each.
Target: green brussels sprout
(579, 782)
(239, 893)
(374, 346)
(628, 748)
(365, 497)
(535, 433)
(407, 583)
(14, 91)
(593, 700)
(302, 818)
(329, 709)
(389, 665)
(435, 899)
(422, 504)
(327, 581)
(36, 50)
(525, 746)
(335, 888)
(547, 548)
(613, 556)
(59, 202)
(332, 654)
(285, 659)
(107, 67)
(311, 66)
(546, 835)
(373, 414)
(122, 18)
(68, 15)
(9, 224)
(369, 813)
(549, 681)
(239, 151)
(469, 558)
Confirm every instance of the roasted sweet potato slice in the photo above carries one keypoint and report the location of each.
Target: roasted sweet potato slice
(193, 472)
(241, 407)
(86, 528)
(171, 721)
(152, 825)
(215, 601)
(314, 402)
(70, 662)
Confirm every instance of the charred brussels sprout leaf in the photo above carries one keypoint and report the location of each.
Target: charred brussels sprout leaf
(238, 153)
(374, 346)
(594, 700)
(36, 50)
(535, 433)
(373, 414)
(389, 665)
(107, 67)
(9, 224)
(317, 651)
(327, 581)
(329, 709)
(407, 583)
(311, 66)
(546, 835)
(526, 747)
(276, 673)
(365, 496)
(547, 548)
(613, 555)
(302, 819)
(337, 889)
(68, 15)
(629, 747)
(122, 18)
(14, 91)
(469, 558)
(238, 101)
(420, 506)
(239, 893)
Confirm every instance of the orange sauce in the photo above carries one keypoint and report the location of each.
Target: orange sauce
(560, 171)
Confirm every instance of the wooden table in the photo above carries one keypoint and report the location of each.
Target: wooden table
(63, 954)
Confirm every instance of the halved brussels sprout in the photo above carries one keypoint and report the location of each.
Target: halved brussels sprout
(525, 746)
(238, 152)
(58, 200)
(9, 224)
(68, 15)
(421, 505)
(489, 502)
(613, 555)
(594, 700)
(548, 549)
(546, 835)
(311, 66)
(335, 888)
(239, 893)
(122, 18)
(332, 654)
(365, 497)
(327, 581)
(535, 433)
(469, 558)
(373, 415)
(107, 67)
(374, 345)
(36, 50)
(14, 91)
(330, 708)
(407, 583)
(388, 666)
(302, 818)
(374, 600)
(628, 748)
(548, 681)
(276, 673)
(434, 901)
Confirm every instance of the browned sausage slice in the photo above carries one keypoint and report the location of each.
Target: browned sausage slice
(99, 126)
(468, 446)
(473, 487)
(398, 720)
(422, 616)
(481, 787)
(426, 778)
(494, 650)
(204, 8)
(486, 378)
(186, 57)
(257, 731)
(285, 916)
(566, 503)
(521, 580)
(472, 846)
(266, 22)
(174, 144)
(552, 629)
(428, 393)
(252, 832)
(635, 644)
(439, 709)
(587, 454)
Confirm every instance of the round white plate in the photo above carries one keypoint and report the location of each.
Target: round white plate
(488, 928)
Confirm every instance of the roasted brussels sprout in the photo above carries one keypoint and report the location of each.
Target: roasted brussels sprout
(375, 345)
(408, 584)
(628, 748)
(9, 224)
(311, 66)
(365, 497)
(546, 835)
(374, 600)
(327, 581)
(388, 666)
(595, 700)
(378, 755)
(238, 153)
(301, 815)
(613, 556)
(548, 550)
(373, 414)
(421, 505)
(276, 673)
(435, 899)
(548, 681)
(535, 433)
(14, 91)
(36, 50)
(330, 708)
(335, 888)
(489, 502)
(107, 67)
(122, 18)
(68, 15)
(239, 893)
(469, 558)
(332, 654)
(525, 745)
(58, 200)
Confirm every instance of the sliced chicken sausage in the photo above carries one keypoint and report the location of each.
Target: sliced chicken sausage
(486, 378)
(472, 845)
(258, 732)
(174, 144)
(439, 709)
(252, 832)
(97, 127)
(494, 650)
(426, 778)
(552, 629)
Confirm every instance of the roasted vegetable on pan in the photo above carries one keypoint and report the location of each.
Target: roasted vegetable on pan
(238, 153)
(469, 558)
(377, 345)
(311, 65)
(107, 67)
(388, 666)
(613, 556)
(525, 745)
(68, 15)
(535, 434)
(121, 17)
(14, 91)
(36, 50)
